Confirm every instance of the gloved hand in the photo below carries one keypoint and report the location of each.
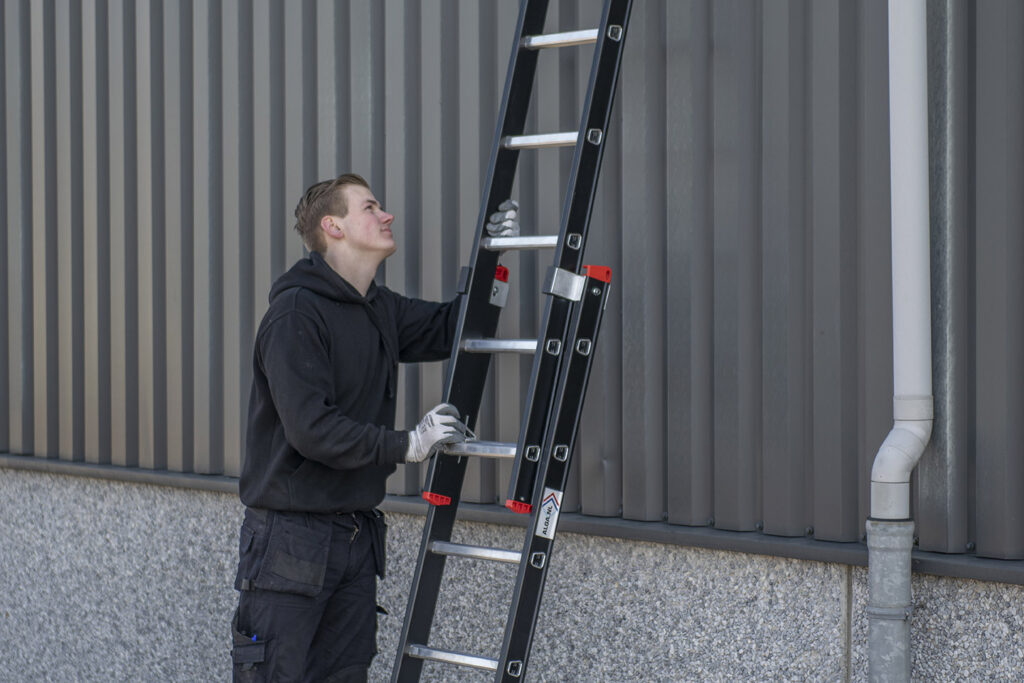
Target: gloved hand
(440, 426)
(504, 223)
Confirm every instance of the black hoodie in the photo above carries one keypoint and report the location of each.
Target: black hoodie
(321, 432)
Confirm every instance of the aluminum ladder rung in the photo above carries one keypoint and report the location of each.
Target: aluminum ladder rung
(482, 449)
(514, 243)
(475, 552)
(566, 39)
(499, 345)
(449, 657)
(540, 140)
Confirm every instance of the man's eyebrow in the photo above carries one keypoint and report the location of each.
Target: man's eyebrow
(370, 200)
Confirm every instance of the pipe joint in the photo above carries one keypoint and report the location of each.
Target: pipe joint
(901, 450)
(890, 474)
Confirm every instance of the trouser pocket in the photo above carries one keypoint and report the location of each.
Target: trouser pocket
(283, 552)
(296, 557)
(247, 654)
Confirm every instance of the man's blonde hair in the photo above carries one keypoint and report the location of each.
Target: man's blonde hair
(326, 198)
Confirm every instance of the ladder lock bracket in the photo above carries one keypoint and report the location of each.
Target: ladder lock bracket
(594, 136)
(565, 283)
(574, 240)
(538, 560)
(561, 453)
(515, 668)
(554, 346)
(532, 453)
(583, 347)
(615, 32)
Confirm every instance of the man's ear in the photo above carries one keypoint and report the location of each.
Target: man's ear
(331, 227)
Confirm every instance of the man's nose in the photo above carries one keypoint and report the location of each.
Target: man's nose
(386, 217)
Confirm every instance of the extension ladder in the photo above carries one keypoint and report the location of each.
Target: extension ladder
(562, 352)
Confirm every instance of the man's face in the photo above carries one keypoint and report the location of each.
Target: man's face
(366, 227)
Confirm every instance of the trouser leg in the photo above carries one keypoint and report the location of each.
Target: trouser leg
(285, 625)
(346, 640)
(282, 566)
(284, 635)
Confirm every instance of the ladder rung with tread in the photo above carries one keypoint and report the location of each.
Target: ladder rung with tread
(482, 449)
(449, 657)
(499, 345)
(562, 351)
(540, 140)
(516, 243)
(565, 39)
(475, 552)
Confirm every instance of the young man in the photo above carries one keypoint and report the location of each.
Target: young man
(321, 443)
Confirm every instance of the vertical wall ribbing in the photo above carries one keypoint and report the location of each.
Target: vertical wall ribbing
(641, 89)
(152, 153)
(5, 411)
(999, 214)
(786, 395)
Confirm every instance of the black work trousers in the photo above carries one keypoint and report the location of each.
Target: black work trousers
(307, 608)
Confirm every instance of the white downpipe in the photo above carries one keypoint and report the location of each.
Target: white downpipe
(890, 530)
(911, 269)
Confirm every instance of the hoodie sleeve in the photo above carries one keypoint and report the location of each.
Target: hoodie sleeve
(426, 330)
(294, 358)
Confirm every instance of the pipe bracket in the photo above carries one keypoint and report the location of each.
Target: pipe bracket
(890, 613)
(913, 408)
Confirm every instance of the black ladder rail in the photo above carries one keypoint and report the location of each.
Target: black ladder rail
(567, 409)
(478, 315)
(575, 223)
(464, 384)
(552, 474)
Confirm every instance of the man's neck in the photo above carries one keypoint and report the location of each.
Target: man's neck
(356, 269)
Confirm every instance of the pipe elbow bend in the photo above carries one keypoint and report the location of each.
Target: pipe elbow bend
(900, 452)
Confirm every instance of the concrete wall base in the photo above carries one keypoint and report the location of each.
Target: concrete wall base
(103, 580)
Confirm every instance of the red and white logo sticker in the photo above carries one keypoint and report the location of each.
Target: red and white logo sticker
(547, 520)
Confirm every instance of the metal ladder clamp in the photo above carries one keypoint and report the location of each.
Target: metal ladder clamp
(562, 352)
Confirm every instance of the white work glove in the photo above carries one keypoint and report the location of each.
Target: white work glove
(440, 426)
(505, 222)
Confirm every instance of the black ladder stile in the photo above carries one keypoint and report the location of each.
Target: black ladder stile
(467, 372)
(575, 223)
(552, 474)
(550, 401)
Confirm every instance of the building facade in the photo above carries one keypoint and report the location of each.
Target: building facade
(151, 155)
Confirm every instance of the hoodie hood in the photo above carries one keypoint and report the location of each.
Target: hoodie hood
(313, 273)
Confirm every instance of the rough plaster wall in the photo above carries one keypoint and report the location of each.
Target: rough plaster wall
(104, 581)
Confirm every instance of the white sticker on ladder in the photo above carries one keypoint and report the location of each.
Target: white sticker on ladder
(547, 520)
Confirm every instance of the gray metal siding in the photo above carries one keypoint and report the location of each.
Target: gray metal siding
(152, 153)
(999, 240)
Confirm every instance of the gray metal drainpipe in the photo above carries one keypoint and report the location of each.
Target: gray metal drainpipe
(890, 530)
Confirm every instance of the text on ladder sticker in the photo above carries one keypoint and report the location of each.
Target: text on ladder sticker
(547, 520)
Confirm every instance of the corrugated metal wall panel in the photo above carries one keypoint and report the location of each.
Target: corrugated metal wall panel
(689, 307)
(153, 151)
(736, 250)
(786, 332)
(642, 276)
(942, 486)
(999, 221)
(5, 320)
